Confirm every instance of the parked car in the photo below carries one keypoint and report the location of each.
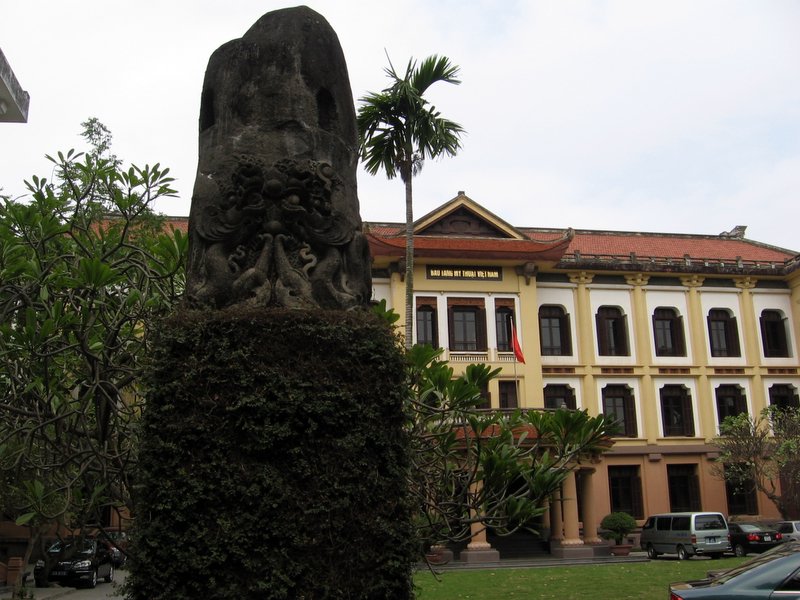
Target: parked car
(772, 575)
(685, 534)
(76, 562)
(752, 537)
(119, 547)
(787, 546)
(790, 530)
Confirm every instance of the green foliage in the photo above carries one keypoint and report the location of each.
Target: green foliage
(763, 454)
(475, 466)
(398, 129)
(273, 460)
(615, 526)
(85, 268)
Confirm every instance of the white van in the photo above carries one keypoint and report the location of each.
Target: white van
(686, 534)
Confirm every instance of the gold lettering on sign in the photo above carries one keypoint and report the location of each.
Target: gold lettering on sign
(471, 273)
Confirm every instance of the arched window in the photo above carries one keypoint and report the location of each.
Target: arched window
(554, 332)
(558, 395)
(676, 411)
(783, 395)
(612, 332)
(730, 401)
(668, 332)
(723, 333)
(773, 334)
(618, 404)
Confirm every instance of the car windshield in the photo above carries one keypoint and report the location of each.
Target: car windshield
(67, 547)
(749, 527)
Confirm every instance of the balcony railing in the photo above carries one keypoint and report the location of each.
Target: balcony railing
(491, 355)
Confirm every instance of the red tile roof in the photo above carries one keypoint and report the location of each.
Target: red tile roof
(674, 246)
(610, 243)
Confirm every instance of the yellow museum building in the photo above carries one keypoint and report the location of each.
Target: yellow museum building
(670, 333)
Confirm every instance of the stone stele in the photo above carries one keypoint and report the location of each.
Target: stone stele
(275, 218)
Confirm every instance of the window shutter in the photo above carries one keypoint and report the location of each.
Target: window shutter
(566, 336)
(623, 331)
(733, 338)
(680, 338)
(688, 415)
(480, 327)
(602, 333)
(630, 416)
(450, 328)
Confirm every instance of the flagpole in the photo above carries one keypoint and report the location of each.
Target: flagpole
(516, 379)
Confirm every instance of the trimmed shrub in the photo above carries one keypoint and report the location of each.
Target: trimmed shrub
(273, 460)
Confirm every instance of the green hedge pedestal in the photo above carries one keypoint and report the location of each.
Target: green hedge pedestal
(273, 460)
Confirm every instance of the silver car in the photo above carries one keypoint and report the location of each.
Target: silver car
(789, 529)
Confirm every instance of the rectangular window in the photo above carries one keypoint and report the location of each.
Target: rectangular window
(741, 496)
(723, 333)
(625, 490)
(503, 320)
(554, 331)
(676, 411)
(467, 323)
(618, 404)
(486, 399)
(668, 332)
(684, 488)
(730, 401)
(612, 332)
(508, 394)
(426, 322)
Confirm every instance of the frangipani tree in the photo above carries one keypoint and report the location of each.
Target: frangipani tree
(86, 269)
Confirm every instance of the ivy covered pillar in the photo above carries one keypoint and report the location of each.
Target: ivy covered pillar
(273, 460)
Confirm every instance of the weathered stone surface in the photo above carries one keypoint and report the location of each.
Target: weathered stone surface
(275, 217)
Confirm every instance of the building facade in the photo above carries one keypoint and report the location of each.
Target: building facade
(669, 333)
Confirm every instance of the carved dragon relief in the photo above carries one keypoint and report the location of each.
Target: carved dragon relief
(273, 239)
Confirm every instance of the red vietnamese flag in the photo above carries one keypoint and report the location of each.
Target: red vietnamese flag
(515, 344)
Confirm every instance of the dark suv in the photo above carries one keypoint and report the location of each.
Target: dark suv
(76, 562)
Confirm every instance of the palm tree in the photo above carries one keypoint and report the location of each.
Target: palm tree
(398, 130)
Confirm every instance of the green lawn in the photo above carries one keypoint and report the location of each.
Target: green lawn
(645, 580)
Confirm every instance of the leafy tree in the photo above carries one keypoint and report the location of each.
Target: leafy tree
(475, 466)
(763, 454)
(399, 129)
(85, 269)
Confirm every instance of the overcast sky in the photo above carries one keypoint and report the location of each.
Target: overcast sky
(635, 115)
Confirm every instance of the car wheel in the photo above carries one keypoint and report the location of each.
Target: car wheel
(110, 577)
(92, 583)
(739, 550)
(651, 552)
(682, 554)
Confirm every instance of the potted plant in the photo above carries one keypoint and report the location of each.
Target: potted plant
(616, 526)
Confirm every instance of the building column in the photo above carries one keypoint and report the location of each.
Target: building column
(589, 514)
(479, 550)
(572, 536)
(556, 522)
